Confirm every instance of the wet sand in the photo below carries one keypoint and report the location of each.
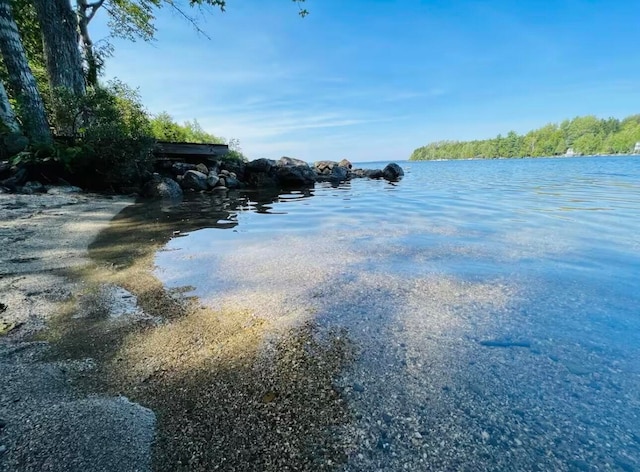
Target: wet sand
(46, 424)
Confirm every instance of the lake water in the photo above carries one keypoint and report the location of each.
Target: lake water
(495, 305)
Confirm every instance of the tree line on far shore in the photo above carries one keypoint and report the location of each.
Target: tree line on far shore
(585, 135)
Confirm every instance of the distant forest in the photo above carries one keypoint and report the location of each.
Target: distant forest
(585, 135)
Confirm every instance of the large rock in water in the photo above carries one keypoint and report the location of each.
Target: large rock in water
(212, 180)
(259, 165)
(345, 163)
(232, 182)
(236, 166)
(291, 161)
(373, 173)
(296, 176)
(324, 167)
(260, 173)
(392, 172)
(194, 180)
(162, 187)
(339, 174)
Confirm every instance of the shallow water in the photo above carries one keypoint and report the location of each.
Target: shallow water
(495, 305)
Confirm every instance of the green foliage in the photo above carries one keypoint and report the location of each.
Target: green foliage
(164, 128)
(586, 135)
(235, 153)
(109, 135)
(64, 154)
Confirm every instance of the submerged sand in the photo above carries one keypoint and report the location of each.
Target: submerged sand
(91, 335)
(364, 369)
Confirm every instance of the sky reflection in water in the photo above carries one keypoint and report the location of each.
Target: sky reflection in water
(495, 303)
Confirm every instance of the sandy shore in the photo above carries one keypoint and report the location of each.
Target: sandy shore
(45, 424)
(83, 310)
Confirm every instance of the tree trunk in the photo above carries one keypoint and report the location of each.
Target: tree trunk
(7, 116)
(84, 17)
(59, 26)
(21, 80)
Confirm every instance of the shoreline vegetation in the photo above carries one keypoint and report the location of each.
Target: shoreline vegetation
(581, 136)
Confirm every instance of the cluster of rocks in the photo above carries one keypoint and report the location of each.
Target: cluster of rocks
(173, 178)
(17, 181)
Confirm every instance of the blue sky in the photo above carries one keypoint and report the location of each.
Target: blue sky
(373, 80)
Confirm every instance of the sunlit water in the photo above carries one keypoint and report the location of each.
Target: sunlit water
(495, 305)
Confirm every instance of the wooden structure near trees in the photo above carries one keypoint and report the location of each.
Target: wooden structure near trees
(192, 153)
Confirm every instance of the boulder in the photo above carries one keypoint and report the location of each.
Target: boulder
(373, 173)
(232, 182)
(194, 180)
(392, 172)
(181, 168)
(260, 173)
(260, 165)
(236, 167)
(202, 168)
(213, 166)
(339, 174)
(345, 163)
(296, 176)
(212, 180)
(32, 187)
(290, 161)
(161, 187)
(324, 167)
(261, 180)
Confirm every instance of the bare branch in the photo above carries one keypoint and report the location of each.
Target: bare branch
(94, 8)
(193, 22)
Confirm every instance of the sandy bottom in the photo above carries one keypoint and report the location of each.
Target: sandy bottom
(448, 373)
(301, 352)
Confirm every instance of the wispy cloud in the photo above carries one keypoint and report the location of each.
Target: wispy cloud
(348, 80)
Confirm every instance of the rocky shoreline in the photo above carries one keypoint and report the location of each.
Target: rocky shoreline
(67, 403)
(171, 179)
(174, 178)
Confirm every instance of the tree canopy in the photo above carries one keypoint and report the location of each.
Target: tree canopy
(164, 128)
(46, 49)
(586, 135)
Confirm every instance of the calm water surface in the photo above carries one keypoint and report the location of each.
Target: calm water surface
(495, 305)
